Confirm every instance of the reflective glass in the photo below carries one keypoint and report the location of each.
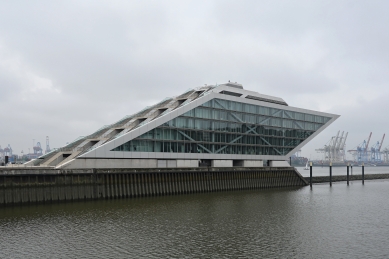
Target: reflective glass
(228, 127)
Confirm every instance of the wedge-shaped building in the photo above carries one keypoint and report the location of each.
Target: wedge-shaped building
(220, 126)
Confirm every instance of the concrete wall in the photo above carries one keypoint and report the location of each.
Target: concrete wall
(187, 163)
(171, 163)
(128, 163)
(161, 163)
(177, 163)
(50, 185)
(154, 163)
(279, 164)
(30, 163)
(110, 163)
(252, 163)
(221, 163)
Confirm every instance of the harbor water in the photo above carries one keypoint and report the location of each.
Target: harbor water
(338, 222)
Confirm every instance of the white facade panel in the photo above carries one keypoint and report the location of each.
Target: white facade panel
(161, 163)
(279, 164)
(221, 163)
(171, 163)
(252, 163)
(187, 163)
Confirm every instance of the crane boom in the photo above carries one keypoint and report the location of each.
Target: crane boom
(340, 141)
(367, 144)
(336, 140)
(333, 148)
(344, 141)
(382, 141)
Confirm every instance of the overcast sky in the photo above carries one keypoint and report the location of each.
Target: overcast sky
(69, 67)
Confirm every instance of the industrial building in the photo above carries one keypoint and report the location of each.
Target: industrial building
(218, 126)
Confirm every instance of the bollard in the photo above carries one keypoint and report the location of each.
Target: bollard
(363, 173)
(310, 174)
(348, 173)
(330, 173)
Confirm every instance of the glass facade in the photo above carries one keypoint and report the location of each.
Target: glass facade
(227, 127)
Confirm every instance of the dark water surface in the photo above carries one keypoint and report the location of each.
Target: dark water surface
(337, 222)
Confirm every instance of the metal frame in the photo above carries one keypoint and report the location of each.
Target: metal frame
(104, 151)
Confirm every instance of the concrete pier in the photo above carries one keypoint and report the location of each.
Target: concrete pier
(22, 186)
(341, 178)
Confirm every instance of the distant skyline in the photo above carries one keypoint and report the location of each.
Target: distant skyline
(68, 68)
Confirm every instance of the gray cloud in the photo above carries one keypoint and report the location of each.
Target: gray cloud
(67, 68)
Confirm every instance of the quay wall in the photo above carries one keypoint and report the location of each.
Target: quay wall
(23, 186)
(341, 178)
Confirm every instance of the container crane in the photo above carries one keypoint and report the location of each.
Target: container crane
(382, 141)
(37, 149)
(376, 151)
(334, 150)
(361, 152)
(47, 145)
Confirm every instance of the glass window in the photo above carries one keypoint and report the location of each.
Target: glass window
(206, 125)
(180, 122)
(309, 126)
(216, 126)
(190, 123)
(283, 129)
(207, 113)
(207, 104)
(231, 117)
(171, 123)
(238, 107)
(309, 117)
(263, 110)
(299, 116)
(198, 112)
(180, 136)
(216, 114)
(276, 112)
(298, 125)
(223, 126)
(232, 106)
(158, 133)
(246, 108)
(289, 114)
(287, 123)
(197, 124)
(250, 118)
(237, 117)
(262, 120)
(189, 113)
(252, 108)
(166, 134)
(223, 115)
(319, 119)
(221, 104)
(180, 147)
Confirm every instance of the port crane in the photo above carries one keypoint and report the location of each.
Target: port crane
(334, 150)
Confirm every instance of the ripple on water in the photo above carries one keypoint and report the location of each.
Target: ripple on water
(337, 222)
